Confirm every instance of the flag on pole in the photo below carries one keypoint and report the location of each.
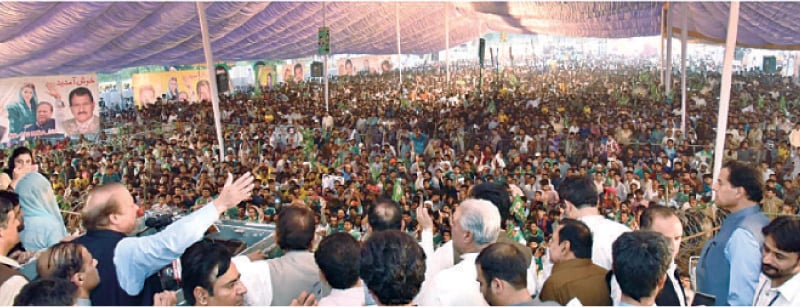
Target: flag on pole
(397, 194)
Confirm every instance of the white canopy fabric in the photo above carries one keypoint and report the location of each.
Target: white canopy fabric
(45, 38)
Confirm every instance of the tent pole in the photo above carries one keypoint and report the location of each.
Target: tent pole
(725, 90)
(668, 70)
(684, 48)
(201, 14)
(397, 30)
(325, 56)
(661, 50)
(447, 44)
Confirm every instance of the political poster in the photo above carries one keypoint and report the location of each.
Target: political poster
(366, 64)
(266, 76)
(178, 85)
(49, 106)
(294, 72)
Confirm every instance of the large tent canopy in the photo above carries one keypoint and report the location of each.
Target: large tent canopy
(41, 38)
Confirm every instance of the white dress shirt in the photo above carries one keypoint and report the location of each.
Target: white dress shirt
(604, 233)
(456, 286)
(785, 295)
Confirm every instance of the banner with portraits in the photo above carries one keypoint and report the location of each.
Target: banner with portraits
(49, 106)
(294, 72)
(266, 75)
(366, 64)
(178, 85)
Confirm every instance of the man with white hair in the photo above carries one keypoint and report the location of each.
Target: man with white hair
(476, 224)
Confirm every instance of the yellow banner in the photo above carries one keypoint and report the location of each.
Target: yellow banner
(184, 85)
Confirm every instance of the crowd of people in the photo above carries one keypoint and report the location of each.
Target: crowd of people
(552, 179)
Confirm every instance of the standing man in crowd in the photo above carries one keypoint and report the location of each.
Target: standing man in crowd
(282, 279)
(11, 280)
(502, 274)
(580, 196)
(127, 265)
(729, 264)
(663, 220)
(209, 276)
(574, 275)
(339, 259)
(392, 267)
(476, 224)
(641, 260)
(779, 284)
(72, 262)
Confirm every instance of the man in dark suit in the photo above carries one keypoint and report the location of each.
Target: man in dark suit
(664, 221)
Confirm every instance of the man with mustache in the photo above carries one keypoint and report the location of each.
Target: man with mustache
(780, 263)
(11, 280)
(81, 104)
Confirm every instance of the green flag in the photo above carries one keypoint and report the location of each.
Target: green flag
(783, 106)
(397, 194)
(518, 210)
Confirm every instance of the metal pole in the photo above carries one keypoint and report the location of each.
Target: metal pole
(325, 56)
(725, 90)
(668, 70)
(447, 43)
(397, 30)
(661, 49)
(201, 14)
(684, 48)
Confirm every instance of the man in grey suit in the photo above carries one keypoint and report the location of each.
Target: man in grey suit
(81, 104)
(285, 278)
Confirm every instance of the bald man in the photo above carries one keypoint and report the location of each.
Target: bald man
(128, 265)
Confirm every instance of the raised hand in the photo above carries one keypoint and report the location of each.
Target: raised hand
(234, 192)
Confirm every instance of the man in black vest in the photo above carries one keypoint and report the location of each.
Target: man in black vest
(11, 281)
(128, 265)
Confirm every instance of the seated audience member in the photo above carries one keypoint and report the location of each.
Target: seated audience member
(128, 265)
(11, 280)
(280, 280)
(392, 267)
(47, 292)
(72, 262)
(502, 274)
(574, 275)
(641, 260)
(209, 276)
(339, 259)
(44, 224)
(780, 262)
(476, 224)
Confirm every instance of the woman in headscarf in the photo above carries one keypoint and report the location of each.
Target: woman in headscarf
(44, 226)
(23, 112)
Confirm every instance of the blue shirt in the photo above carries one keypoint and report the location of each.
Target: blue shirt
(744, 254)
(136, 258)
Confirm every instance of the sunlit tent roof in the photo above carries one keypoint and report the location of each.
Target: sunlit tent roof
(41, 38)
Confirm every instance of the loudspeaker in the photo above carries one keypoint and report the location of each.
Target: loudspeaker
(770, 65)
(316, 70)
(481, 51)
(222, 79)
(435, 57)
